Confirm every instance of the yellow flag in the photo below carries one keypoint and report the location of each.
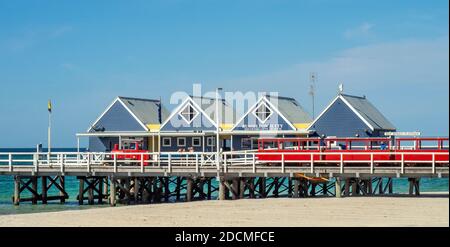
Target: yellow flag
(49, 106)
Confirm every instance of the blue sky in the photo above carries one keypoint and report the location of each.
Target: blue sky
(82, 54)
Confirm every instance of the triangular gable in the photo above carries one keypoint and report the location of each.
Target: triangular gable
(339, 97)
(275, 121)
(117, 117)
(176, 122)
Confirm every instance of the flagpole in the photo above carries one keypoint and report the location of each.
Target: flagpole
(49, 128)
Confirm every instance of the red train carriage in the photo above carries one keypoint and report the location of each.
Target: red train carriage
(352, 150)
(132, 152)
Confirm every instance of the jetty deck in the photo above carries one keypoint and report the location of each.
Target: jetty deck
(238, 174)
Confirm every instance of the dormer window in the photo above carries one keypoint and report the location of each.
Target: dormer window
(188, 113)
(262, 112)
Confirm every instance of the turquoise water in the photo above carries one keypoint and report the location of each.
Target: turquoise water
(401, 186)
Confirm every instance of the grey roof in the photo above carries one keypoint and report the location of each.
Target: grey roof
(146, 110)
(208, 105)
(369, 112)
(291, 109)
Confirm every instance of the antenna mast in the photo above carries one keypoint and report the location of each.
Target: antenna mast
(312, 90)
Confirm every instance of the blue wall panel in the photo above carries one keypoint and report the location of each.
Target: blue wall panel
(274, 122)
(339, 120)
(102, 144)
(118, 119)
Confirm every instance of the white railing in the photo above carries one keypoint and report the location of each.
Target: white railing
(397, 159)
(245, 159)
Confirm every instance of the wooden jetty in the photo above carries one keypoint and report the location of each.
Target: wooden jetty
(172, 176)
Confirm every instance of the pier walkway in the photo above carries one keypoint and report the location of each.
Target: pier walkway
(152, 176)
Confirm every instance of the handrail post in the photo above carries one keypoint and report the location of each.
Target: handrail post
(282, 163)
(371, 163)
(202, 159)
(159, 159)
(10, 161)
(62, 166)
(62, 161)
(197, 167)
(402, 170)
(35, 162)
(433, 165)
(169, 162)
(342, 163)
(225, 166)
(142, 163)
(115, 162)
(312, 163)
(253, 161)
(89, 162)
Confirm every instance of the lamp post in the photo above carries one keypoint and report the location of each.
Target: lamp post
(218, 126)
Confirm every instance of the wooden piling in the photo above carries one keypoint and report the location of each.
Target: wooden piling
(313, 189)
(16, 197)
(242, 188)
(355, 190)
(296, 188)
(337, 185)
(251, 187)
(34, 185)
(411, 186)
(100, 190)
(290, 187)
(235, 189)
(136, 189)
(81, 191)
(222, 189)
(262, 187)
(112, 191)
(166, 189)
(209, 189)
(44, 189)
(62, 193)
(417, 187)
(347, 187)
(369, 186)
(380, 187)
(189, 189)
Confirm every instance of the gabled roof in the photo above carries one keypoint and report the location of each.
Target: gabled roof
(369, 112)
(145, 111)
(270, 102)
(188, 100)
(365, 110)
(291, 109)
(208, 105)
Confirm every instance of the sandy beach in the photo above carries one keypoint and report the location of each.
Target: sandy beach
(430, 210)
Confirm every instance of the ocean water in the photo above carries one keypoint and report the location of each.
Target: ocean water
(401, 186)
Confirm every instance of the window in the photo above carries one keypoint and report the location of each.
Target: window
(181, 141)
(246, 143)
(196, 141)
(262, 112)
(166, 142)
(188, 113)
(249, 143)
(211, 141)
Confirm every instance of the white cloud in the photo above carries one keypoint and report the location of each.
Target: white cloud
(362, 31)
(408, 80)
